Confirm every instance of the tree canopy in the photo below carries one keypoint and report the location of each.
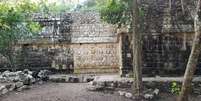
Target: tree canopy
(118, 12)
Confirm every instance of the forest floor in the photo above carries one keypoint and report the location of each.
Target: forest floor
(74, 92)
(61, 92)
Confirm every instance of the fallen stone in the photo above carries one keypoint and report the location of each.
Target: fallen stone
(101, 84)
(4, 91)
(95, 88)
(44, 75)
(2, 79)
(27, 71)
(121, 93)
(6, 73)
(128, 95)
(12, 87)
(28, 79)
(73, 79)
(19, 84)
(148, 96)
(24, 87)
(88, 79)
(93, 83)
(156, 91)
(2, 87)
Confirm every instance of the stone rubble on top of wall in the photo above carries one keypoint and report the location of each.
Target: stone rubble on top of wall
(76, 27)
(86, 17)
(76, 17)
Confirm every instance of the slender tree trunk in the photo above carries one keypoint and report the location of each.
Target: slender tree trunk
(137, 49)
(182, 6)
(193, 59)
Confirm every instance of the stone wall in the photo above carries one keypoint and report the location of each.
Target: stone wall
(96, 57)
(75, 42)
(165, 54)
(80, 58)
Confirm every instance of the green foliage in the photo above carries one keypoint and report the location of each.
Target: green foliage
(119, 12)
(15, 24)
(175, 88)
(116, 12)
(45, 7)
(91, 5)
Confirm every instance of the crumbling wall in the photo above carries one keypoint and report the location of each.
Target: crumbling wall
(75, 42)
(162, 53)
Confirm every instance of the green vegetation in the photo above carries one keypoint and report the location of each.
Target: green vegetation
(15, 24)
(175, 88)
(118, 12)
(55, 7)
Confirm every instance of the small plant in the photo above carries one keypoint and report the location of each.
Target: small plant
(175, 88)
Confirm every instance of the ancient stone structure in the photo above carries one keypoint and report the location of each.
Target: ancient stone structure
(167, 37)
(80, 43)
(75, 42)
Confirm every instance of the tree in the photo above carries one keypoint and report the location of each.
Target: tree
(15, 24)
(137, 49)
(194, 56)
(126, 13)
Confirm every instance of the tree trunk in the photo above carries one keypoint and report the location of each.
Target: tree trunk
(193, 59)
(137, 49)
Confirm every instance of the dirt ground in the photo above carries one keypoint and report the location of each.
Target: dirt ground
(61, 92)
(72, 92)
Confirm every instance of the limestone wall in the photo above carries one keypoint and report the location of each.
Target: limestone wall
(80, 58)
(75, 42)
(96, 57)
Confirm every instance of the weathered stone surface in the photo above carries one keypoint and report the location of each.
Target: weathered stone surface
(4, 91)
(73, 79)
(2, 87)
(82, 43)
(19, 84)
(18, 80)
(24, 87)
(95, 88)
(121, 93)
(44, 75)
(129, 95)
(87, 79)
(12, 87)
(156, 91)
(149, 96)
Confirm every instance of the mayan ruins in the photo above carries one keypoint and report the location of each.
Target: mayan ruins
(100, 50)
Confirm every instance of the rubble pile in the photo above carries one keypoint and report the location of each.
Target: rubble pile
(123, 88)
(20, 80)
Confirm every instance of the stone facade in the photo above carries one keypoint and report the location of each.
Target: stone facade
(75, 42)
(96, 57)
(82, 42)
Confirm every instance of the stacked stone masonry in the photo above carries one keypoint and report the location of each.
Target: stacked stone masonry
(75, 42)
